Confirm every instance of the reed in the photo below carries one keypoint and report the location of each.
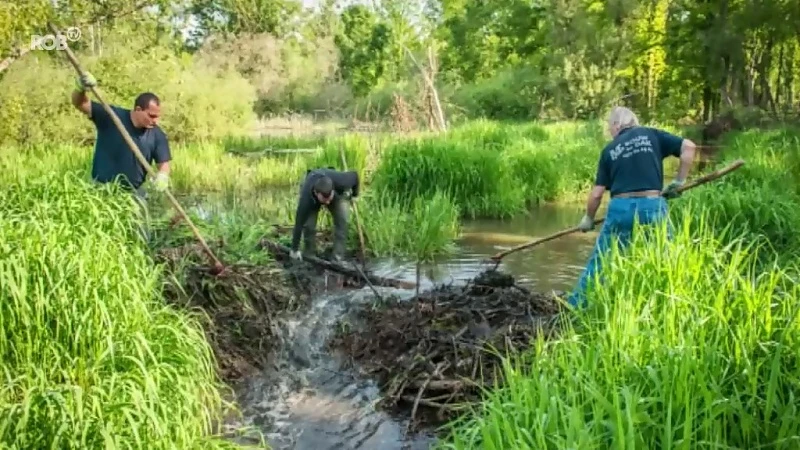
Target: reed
(91, 355)
(424, 228)
(685, 345)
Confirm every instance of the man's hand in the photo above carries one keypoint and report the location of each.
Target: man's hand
(161, 182)
(672, 189)
(83, 83)
(586, 224)
(295, 254)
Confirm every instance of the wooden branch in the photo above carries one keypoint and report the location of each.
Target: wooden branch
(690, 185)
(338, 268)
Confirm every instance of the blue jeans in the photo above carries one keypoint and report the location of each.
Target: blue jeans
(620, 218)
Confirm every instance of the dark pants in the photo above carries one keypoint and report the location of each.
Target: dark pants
(338, 209)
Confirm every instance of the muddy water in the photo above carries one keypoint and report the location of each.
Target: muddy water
(554, 265)
(307, 401)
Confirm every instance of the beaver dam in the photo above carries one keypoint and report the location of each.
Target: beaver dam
(433, 354)
(320, 358)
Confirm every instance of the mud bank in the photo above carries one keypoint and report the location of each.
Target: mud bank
(432, 354)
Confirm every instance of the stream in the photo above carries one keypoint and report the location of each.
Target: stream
(307, 401)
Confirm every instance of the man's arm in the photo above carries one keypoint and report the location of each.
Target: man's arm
(594, 200)
(81, 101)
(688, 149)
(672, 145)
(602, 181)
(163, 154)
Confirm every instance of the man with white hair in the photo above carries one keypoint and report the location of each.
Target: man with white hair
(631, 168)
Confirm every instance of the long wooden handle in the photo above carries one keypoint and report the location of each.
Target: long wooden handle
(133, 147)
(693, 184)
(355, 210)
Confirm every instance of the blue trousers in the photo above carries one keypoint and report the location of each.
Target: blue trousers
(620, 218)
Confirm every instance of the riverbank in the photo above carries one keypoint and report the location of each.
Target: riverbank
(756, 204)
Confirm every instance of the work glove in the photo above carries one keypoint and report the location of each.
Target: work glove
(295, 254)
(586, 224)
(161, 182)
(85, 82)
(672, 189)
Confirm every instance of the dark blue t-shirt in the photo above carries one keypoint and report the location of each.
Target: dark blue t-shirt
(633, 161)
(113, 157)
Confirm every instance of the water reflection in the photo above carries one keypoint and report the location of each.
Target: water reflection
(552, 265)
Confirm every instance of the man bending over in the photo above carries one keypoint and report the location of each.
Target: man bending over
(323, 187)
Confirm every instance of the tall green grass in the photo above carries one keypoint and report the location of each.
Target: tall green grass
(760, 202)
(494, 170)
(91, 356)
(685, 345)
(424, 228)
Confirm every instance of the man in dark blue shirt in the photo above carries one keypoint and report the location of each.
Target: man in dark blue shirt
(631, 169)
(113, 160)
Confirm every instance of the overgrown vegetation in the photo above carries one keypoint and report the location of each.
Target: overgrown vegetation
(682, 339)
(92, 356)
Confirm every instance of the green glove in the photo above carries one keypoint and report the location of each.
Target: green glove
(83, 83)
(161, 182)
(672, 189)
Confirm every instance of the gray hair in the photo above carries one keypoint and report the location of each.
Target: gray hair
(622, 117)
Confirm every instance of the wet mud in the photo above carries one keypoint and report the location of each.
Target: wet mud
(431, 355)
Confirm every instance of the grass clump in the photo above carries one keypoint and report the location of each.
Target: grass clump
(91, 355)
(758, 202)
(422, 228)
(684, 345)
(475, 178)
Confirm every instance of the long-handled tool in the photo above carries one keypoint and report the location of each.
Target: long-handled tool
(702, 180)
(218, 267)
(358, 219)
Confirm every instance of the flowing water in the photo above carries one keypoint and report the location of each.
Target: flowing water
(307, 401)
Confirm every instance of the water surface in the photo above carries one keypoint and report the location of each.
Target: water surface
(307, 401)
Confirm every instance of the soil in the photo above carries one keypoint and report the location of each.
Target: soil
(432, 354)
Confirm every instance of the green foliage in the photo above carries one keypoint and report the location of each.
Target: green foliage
(287, 74)
(197, 103)
(422, 228)
(364, 44)
(92, 356)
(237, 16)
(491, 170)
(759, 201)
(681, 340)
